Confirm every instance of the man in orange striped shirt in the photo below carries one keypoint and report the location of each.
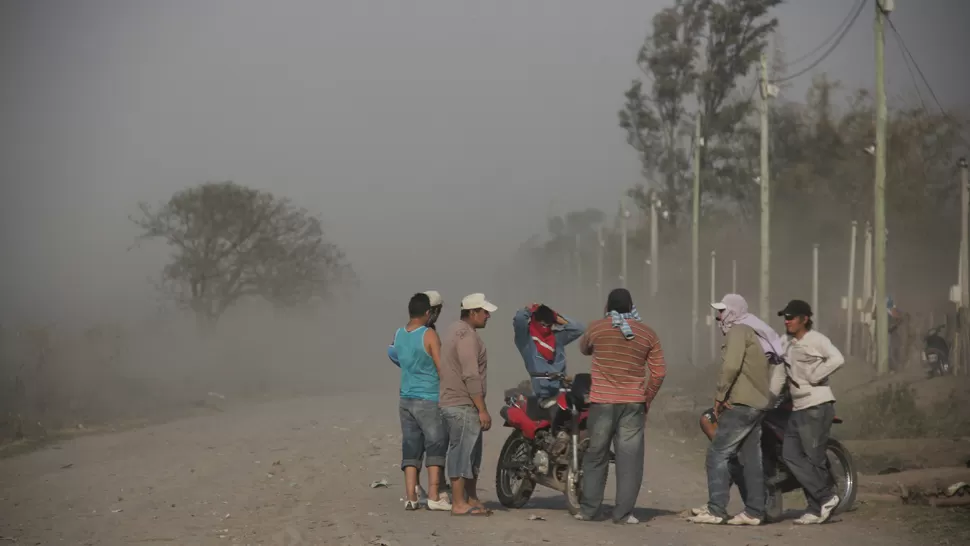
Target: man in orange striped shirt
(628, 369)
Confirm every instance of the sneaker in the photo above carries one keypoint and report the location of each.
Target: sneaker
(410, 506)
(825, 512)
(440, 505)
(698, 511)
(808, 519)
(630, 520)
(580, 517)
(744, 519)
(704, 515)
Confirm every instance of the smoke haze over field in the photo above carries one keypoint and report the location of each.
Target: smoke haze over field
(432, 137)
(417, 129)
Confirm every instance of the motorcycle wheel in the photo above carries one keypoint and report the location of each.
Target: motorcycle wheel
(574, 482)
(514, 491)
(847, 480)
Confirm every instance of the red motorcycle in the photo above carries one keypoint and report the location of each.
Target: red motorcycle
(547, 445)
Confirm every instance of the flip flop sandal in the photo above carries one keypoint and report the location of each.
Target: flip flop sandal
(473, 511)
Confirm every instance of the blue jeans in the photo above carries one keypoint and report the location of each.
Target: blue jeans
(464, 442)
(738, 436)
(423, 433)
(622, 425)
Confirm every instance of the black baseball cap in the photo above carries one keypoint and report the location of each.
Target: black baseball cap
(796, 308)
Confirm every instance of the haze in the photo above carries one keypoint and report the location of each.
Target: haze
(434, 130)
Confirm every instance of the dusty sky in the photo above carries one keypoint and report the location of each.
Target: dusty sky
(416, 128)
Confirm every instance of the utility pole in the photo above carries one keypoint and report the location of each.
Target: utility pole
(734, 276)
(601, 244)
(765, 178)
(882, 316)
(964, 234)
(654, 244)
(713, 298)
(579, 268)
(849, 311)
(624, 214)
(815, 282)
(695, 236)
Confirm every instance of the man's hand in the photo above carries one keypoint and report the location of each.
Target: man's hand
(485, 419)
(719, 407)
(561, 321)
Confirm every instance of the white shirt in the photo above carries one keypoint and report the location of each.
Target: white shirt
(812, 360)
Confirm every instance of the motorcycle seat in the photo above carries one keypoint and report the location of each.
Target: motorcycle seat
(534, 408)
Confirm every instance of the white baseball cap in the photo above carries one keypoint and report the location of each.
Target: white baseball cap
(477, 301)
(435, 297)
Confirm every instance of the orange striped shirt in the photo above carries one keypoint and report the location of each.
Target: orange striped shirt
(620, 366)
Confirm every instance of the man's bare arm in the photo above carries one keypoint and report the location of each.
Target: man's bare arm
(432, 344)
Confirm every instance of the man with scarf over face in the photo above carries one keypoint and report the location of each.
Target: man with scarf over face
(628, 369)
(541, 336)
(745, 391)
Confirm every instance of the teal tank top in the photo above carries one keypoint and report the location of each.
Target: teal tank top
(419, 377)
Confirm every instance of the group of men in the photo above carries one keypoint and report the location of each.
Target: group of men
(443, 387)
(443, 412)
(758, 366)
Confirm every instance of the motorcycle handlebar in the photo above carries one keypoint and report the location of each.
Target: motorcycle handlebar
(560, 376)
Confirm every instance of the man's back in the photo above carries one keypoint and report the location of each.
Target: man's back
(463, 365)
(620, 366)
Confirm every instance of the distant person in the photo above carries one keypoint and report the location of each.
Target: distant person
(627, 371)
(423, 432)
(541, 336)
(813, 359)
(464, 367)
(744, 393)
(436, 305)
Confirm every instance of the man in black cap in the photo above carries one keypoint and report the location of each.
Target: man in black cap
(812, 358)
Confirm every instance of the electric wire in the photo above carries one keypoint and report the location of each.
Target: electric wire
(835, 33)
(832, 48)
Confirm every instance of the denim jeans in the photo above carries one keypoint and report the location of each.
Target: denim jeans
(804, 451)
(464, 442)
(738, 436)
(622, 425)
(423, 433)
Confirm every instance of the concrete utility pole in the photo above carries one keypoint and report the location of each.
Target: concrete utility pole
(815, 283)
(734, 276)
(695, 237)
(579, 268)
(964, 234)
(654, 244)
(624, 215)
(765, 177)
(849, 300)
(601, 244)
(713, 298)
(883, 7)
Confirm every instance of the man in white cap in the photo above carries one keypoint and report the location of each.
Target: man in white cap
(464, 365)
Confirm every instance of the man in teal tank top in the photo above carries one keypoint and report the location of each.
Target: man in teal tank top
(423, 434)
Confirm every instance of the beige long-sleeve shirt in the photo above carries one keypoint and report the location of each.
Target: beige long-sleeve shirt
(811, 360)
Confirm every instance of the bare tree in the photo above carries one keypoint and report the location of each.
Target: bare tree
(231, 242)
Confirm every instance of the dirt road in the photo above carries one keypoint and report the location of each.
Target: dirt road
(298, 472)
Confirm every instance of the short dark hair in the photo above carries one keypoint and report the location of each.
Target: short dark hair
(465, 313)
(620, 301)
(419, 305)
(545, 314)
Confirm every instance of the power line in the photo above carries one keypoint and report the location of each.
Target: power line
(912, 75)
(832, 48)
(922, 76)
(906, 51)
(835, 33)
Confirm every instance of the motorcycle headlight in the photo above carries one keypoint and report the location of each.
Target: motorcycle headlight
(933, 357)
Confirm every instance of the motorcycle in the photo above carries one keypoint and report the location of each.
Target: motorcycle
(547, 444)
(936, 352)
(780, 480)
